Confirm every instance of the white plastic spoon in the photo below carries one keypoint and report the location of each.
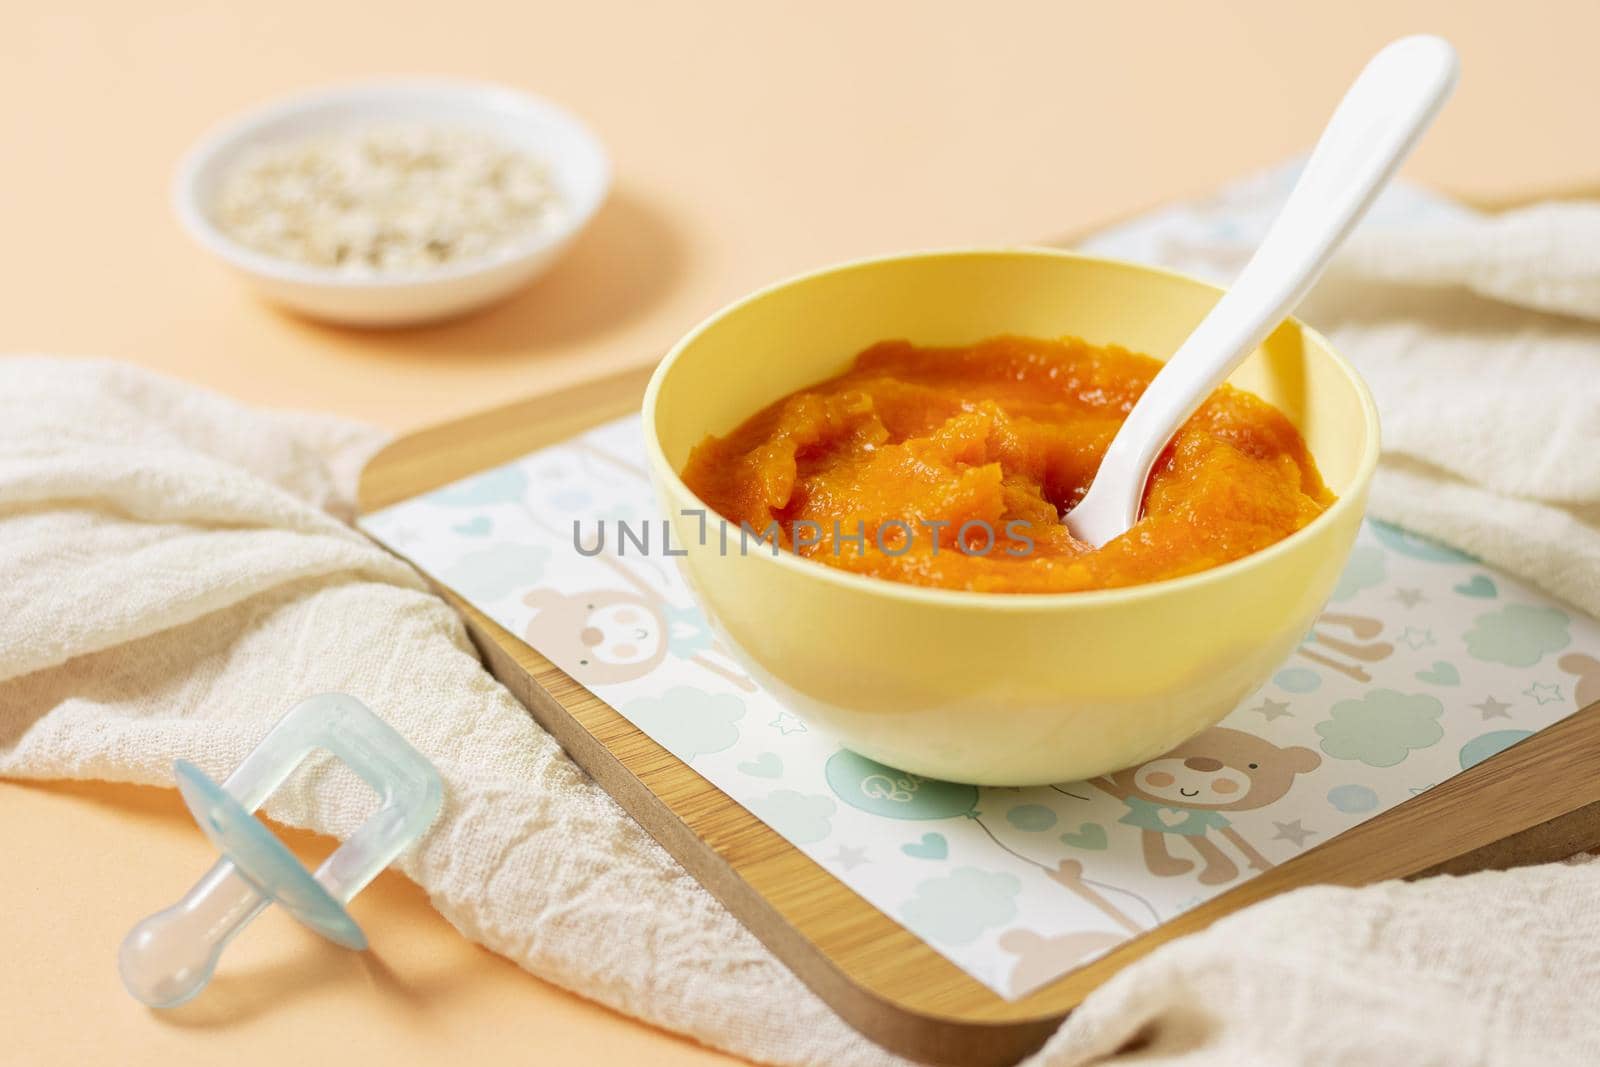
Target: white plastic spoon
(1374, 129)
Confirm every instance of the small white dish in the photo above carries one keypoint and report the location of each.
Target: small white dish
(577, 165)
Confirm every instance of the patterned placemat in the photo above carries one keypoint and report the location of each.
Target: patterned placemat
(1424, 663)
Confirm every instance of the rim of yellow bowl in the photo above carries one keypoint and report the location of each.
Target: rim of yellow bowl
(967, 598)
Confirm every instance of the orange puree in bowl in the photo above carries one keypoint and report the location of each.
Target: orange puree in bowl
(951, 467)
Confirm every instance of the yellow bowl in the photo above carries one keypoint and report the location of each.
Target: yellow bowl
(1000, 689)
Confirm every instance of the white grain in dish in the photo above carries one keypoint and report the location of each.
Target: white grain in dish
(381, 200)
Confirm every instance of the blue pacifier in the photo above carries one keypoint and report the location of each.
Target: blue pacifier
(169, 957)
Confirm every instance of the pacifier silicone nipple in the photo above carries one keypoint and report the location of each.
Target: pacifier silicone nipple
(170, 956)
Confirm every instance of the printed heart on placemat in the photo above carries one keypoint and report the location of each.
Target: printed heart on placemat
(1091, 835)
(1441, 673)
(766, 765)
(1479, 585)
(1172, 816)
(931, 847)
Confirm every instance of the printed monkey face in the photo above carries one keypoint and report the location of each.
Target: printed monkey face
(602, 637)
(1587, 668)
(1219, 768)
(620, 633)
(1192, 782)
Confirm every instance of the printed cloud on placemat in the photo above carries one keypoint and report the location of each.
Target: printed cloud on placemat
(1518, 635)
(1382, 727)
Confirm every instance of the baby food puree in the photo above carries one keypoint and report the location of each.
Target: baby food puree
(951, 467)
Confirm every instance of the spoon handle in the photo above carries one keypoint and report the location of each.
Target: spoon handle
(1375, 127)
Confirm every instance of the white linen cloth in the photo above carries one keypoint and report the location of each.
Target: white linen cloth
(1478, 335)
(175, 569)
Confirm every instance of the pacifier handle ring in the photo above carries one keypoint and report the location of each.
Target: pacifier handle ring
(170, 956)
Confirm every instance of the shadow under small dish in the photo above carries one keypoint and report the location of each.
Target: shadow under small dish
(393, 202)
(951, 467)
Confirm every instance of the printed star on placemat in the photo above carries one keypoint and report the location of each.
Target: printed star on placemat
(1413, 637)
(849, 857)
(1293, 832)
(1409, 597)
(1544, 694)
(1273, 709)
(787, 724)
(1414, 790)
(1494, 709)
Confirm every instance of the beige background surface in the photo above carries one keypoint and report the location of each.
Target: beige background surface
(751, 140)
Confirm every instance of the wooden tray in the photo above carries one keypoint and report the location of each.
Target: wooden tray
(1537, 801)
